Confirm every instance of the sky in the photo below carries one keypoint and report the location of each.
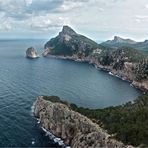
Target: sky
(97, 19)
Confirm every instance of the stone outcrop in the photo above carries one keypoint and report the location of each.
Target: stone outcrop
(68, 42)
(143, 84)
(75, 129)
(31, 53)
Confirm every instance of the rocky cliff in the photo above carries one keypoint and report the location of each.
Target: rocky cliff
(31, 53)
(75, 129)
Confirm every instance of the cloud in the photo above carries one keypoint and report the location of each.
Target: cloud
(69, 5)
(141, 16)
(6, 24)
(47, 22)
(86, 16)
(146, 6)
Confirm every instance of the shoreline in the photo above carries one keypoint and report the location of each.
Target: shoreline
(47, 122)
(101, 68)
(51, 136)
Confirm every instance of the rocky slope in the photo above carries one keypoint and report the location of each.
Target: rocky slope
(68, 42)
(75, 129)
(120, 42)
(126, 62)
(31, 53)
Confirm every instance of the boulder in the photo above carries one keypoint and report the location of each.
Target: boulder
(31, 53)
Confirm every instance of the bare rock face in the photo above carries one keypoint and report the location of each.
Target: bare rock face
(31, 53)
(75, 129)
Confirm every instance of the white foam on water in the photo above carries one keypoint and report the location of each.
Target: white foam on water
(33, 142)
(57, 140)
(38, 121)
(32, 108)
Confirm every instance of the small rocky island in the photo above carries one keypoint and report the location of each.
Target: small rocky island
(61, 119)
(31, 53)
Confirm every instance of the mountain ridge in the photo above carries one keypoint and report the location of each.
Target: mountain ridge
(120, 42)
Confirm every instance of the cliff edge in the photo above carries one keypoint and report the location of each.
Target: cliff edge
(75, 129)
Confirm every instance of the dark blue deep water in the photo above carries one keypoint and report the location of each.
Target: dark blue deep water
(22, 80)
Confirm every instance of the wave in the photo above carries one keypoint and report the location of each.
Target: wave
(32, 108)
(51, 136)
(57, 140)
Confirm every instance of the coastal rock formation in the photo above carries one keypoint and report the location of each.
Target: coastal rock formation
(31, 53)
(68, 42)
(75, 129)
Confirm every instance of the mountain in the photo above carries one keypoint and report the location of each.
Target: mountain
(68, 42)
(120, 42)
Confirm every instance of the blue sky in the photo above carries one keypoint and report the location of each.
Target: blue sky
(97, 19)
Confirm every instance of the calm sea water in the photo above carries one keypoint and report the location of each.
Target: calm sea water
(22, 80)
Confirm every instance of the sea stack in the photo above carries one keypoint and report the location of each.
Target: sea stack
(31, 53)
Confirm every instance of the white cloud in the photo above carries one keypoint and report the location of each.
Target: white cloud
(6, 24)
(141, 16)
(95, 17)
(146, 6)
(69, 5)
(138, 20)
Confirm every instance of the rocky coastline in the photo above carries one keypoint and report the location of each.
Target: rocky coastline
(73, 128)
(124, 75)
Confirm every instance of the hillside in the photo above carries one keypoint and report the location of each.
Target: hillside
(76, 130)
(118, 42)
(68, 42)
(127, 123)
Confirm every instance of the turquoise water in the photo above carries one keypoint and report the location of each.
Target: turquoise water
(22, 80)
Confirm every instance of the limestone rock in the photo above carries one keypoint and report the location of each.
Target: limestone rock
(75, 129)
(31, 53)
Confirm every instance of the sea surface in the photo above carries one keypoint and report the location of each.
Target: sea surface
(22, 80)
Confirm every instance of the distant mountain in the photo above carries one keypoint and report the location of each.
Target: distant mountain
(120, 42)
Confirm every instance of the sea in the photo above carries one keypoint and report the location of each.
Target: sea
(22, 80)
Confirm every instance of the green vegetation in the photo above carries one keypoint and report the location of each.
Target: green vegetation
(128, 122)
(54, 99)
(141, 70)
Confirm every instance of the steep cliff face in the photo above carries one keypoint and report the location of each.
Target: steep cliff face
(75, 129)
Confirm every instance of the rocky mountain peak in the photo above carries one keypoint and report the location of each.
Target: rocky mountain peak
(146, 41)
(118, 39)
(68, 31)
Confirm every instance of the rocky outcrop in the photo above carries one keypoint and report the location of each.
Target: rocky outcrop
(75, 129)
(143, 85)
(68, 42)
(31, 53)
